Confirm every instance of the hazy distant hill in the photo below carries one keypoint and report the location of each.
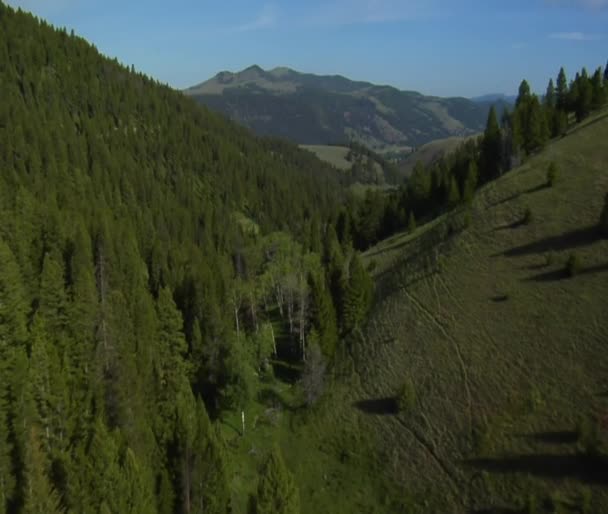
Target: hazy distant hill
(312, 109)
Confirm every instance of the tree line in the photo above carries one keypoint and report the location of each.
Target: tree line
(452, 181)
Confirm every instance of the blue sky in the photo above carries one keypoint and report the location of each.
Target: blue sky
(441, 47)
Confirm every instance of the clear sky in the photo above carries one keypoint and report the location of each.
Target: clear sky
(441, 47)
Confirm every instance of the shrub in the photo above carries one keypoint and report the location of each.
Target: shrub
(573, 265)
(406, 397)
(551, 174)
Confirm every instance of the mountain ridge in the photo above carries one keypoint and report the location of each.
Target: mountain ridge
(327, 109)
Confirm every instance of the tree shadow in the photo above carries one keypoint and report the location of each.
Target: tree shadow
(379, 406)
(568, 240)
(501, 298)
(511, 226)
(590, 469)
(555, 437)
(497, 510)
(562, 274)
(514, 196)
(585, 125)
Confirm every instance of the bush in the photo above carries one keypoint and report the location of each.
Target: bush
(406, 397)
(551, 174)
(573, 265)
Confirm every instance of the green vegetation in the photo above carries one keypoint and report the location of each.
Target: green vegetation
(187, 325)
(479, 322)
(360, 164)
(406, 397)
(277, 492)
(551, 174)
(573, 265)
(155, 260)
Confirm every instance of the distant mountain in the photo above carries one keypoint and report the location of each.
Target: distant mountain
(495, 97)
(312, 109)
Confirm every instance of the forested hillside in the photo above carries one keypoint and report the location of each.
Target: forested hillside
(147, 249)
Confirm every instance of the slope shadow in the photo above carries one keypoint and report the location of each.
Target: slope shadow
(514, 196)
(591, 469)
(572, 239)
(511, 226)
(555, 437)
(580, 127)
(561, 274)
(497, 510)
(378, 406)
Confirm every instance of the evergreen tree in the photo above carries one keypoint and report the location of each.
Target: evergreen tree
(562, 91)
(277, 492)
(598, 95)
(584, 100)
(470, 183)
(411, 223)
(40, 495)
(357, 295)
(524, 93)
(53, 305)
(453, 194)
(550, 96)
(324, 316)
(491, 150)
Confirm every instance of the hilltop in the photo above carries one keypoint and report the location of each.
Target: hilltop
(318, 110)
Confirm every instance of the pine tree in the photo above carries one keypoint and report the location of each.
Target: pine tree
(7, 479)
(411, 223)
(491, 150)
(598, 95)
(470, 183)
(357, 295)
(562, 91)
(606, 73)
(523, 94)
(13, 306)
(40, 496)
(277, 492)
(585, 96)
(53, 305)
(550, 97)
(453, 194)
(324, 316)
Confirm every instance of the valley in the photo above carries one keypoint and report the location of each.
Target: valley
(287, 293)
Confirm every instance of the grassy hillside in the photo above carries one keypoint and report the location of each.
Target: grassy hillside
(334, 155)
(430, 153)
(504, 353)
(311, 109)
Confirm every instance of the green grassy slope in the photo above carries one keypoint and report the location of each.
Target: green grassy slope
(334, 155)
(506, 356)
(430, 153)
(506, 353)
